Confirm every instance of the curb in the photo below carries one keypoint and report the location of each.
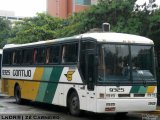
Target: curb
(155, 112)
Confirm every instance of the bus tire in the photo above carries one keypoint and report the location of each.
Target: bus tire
(17, 94)
(74, 106)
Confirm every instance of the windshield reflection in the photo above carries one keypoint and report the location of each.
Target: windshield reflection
(125, 63)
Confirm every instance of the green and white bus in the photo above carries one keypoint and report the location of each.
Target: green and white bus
(97, 72)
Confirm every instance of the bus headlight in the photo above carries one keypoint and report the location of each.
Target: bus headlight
(110, 95)
(154, 95)
(151, 95)
(102, 96)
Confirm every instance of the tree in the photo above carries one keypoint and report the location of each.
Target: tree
(123, 15)
(34, 29)
(5, 27)
(44, 27)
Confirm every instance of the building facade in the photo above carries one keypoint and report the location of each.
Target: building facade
(10, 15)
(64, 8)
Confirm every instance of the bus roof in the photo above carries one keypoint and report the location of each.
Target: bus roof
(107, 37)
(119, 38)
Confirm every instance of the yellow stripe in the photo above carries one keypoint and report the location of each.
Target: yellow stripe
(38, 73)
(150, 89)
(11, 84)
(4, 88)
(30, 88)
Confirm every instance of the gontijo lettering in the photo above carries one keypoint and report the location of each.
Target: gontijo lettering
(22, 73)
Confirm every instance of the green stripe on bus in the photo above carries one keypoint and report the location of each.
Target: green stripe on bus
(51, 88)
(142, 90)
(43, 86)
(134, 89)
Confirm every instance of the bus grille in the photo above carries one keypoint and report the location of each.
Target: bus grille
(124, 95)
(139, 95)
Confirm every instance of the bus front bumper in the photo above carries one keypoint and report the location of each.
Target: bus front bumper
(126, 105)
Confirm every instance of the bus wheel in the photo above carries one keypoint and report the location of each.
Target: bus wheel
(74, 104)
(17, 94)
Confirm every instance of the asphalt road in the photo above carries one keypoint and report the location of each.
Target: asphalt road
(8, 106)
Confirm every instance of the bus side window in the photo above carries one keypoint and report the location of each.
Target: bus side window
(16, 57)
(53, 54)
(28, 56)
(70, 53)
(40, 55)
(7, 58)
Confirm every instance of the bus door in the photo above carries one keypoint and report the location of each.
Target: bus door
(90, 79)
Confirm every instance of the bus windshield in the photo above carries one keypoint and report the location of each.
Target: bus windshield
(125, 63)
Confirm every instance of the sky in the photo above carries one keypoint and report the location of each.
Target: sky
(24, 8)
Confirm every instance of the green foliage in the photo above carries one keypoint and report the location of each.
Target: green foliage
(44, 27)
(123, 15)
(34, 29)
(5, 27)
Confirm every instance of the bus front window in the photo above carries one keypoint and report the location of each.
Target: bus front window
(142, 62)
(113, 62)
(120, 63)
